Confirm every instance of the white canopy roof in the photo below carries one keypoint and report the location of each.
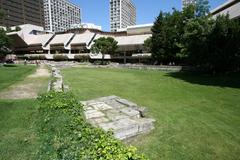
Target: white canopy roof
(83, 38)
(38, 39)
(132, 40)
(61, 39)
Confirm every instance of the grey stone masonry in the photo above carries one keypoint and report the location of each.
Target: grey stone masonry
(56, 83)
(124, 118)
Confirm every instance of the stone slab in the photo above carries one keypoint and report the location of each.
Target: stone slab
(130, 112)
(93, 114)
(100, 106)
(121, 116)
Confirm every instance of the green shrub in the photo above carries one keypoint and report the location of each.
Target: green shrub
(59, 57)
(81, 57)
(36, 57)
(98, 62)
(65, 134)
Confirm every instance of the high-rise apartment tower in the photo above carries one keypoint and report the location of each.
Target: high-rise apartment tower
(122, 14)
(59, 15)
(18, 12)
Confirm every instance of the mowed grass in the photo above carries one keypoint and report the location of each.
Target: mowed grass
(18, 140)
(197, 116)
(13, 73)
(18, 130)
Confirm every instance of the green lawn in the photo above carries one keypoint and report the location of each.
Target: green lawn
(17, 117)
(17, 130)
(197, 117)
(13, 73)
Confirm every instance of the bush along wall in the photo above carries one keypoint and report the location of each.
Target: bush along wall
(65, 134)
(60, 57)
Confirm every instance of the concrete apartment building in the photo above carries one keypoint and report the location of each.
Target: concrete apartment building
(122, 14)
(231, 7)
(18, 12)
(59, 15)
(186, 3)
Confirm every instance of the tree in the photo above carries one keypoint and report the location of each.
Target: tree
(202, 8)
(4, 43)
(104, 46)
(168, 31)
(223, 44)
(195, 40)
(148, 44)
(213, 45)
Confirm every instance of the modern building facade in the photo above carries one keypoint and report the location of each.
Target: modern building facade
(122, 14)
(59, 15)
(186, 3)
(77, 43)
(18, 12)
(231, 7)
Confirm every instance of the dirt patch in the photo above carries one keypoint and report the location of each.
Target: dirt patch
(29, 87)
(41, 72)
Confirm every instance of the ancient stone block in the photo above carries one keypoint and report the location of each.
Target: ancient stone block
(123, 117)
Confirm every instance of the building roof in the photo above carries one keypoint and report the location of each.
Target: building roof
(83, 38)
(224, 5)
(231, 8)
(61, 39)
(132, 40)
(38, 39)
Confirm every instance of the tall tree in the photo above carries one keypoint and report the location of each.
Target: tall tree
(213, 45)
(168, 29)
(4, 39)
(4, 43)
(202, 8)
(104, 46)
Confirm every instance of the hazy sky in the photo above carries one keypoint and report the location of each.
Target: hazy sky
(97, 11)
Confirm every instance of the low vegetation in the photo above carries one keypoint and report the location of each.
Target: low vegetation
(65, 134)
(60, 57)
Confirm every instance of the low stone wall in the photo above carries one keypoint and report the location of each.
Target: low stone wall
(56, 83)
(143, 67)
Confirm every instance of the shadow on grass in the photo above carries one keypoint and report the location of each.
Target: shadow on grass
(231, 80)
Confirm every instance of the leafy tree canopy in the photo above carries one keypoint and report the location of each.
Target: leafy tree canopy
(202, 8)
(104, 46)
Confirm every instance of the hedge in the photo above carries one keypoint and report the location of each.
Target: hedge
(36, 57)
(65, 134)
(59, 57)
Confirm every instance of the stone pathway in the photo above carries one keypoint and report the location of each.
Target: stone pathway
(126, 119)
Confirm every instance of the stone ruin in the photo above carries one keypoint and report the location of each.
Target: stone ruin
(126, 119)
(56, 84)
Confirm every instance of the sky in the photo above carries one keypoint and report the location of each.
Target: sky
(97, 11)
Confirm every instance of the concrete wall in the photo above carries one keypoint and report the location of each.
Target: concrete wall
(233, 11)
